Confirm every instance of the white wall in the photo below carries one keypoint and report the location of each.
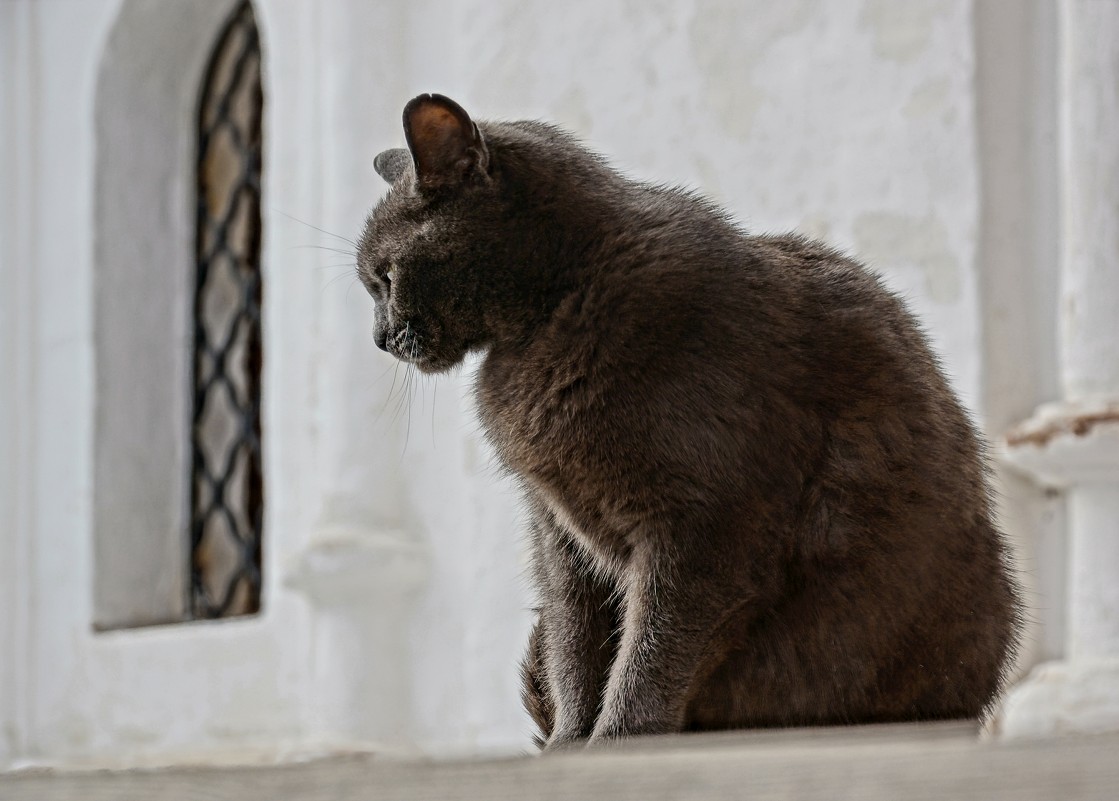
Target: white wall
(854, 121)
(395, 604)
(49, 62)
(339, 477)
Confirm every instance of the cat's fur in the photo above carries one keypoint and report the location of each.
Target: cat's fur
(754, 499)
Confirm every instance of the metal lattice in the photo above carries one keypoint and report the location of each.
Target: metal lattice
(227, 488)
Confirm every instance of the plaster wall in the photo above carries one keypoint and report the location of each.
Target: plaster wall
(49, 62)
(852, 120)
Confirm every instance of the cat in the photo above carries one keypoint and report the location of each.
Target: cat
(754, 500)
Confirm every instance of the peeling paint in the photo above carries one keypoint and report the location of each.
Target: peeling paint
(902, 31)
(507, 75)
(75, 731)
(709, 174)
(136, 735)
(815, 226)
(721, 36)
(887, 239)
(571, 111)
(928, 98)
(1080, 425)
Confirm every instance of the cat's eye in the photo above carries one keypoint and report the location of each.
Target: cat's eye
(383, 278)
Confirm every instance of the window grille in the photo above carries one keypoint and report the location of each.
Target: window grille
(227, 488)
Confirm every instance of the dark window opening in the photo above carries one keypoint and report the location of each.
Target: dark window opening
(227, 488)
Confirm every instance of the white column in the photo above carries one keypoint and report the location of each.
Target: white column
(334, 70)
(1073, 444)
(18, 388)
(362, 586)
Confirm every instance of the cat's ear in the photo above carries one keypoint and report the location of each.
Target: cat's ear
(392, 163)
(446, 145)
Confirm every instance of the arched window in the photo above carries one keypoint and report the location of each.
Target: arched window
(177, 309)
(227, 488)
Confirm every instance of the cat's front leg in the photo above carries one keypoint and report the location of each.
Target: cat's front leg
(578, 620)
(675, 606)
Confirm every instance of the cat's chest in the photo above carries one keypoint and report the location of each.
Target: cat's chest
(537, 413)
(552, 427)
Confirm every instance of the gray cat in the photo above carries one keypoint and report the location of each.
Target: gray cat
(754, 499)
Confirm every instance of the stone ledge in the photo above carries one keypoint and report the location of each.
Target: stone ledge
(1057, 698)
(879, 762)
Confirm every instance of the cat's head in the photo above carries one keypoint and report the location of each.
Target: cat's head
(426, 247)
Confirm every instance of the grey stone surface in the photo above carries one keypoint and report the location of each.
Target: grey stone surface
(893, 762)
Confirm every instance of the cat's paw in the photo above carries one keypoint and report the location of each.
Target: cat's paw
(616, 730)
(560, 741)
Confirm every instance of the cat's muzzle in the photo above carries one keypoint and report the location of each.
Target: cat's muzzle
(404, 344)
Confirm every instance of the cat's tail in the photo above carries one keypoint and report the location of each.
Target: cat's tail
(534, 691)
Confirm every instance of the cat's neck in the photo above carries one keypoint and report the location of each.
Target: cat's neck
(576, 223)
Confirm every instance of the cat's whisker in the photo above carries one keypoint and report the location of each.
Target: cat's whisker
(336, 279)
(384, 372)
(401, 397)
(343, 251)
(315, 227)
(413, 350)
(388, 397)
(408, 402)
(375, 382)
(434, 395)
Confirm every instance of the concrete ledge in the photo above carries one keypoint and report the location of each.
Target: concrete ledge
(886, 762)
(1079, 697)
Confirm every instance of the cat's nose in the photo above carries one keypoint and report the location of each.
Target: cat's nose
(381, 338)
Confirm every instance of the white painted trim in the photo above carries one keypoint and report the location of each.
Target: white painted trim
(1074, 444)
(198, 686)
(146, 161)
(19, 154)
(1016, 85)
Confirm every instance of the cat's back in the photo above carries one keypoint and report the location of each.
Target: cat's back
(667, 311)
(673, 286)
